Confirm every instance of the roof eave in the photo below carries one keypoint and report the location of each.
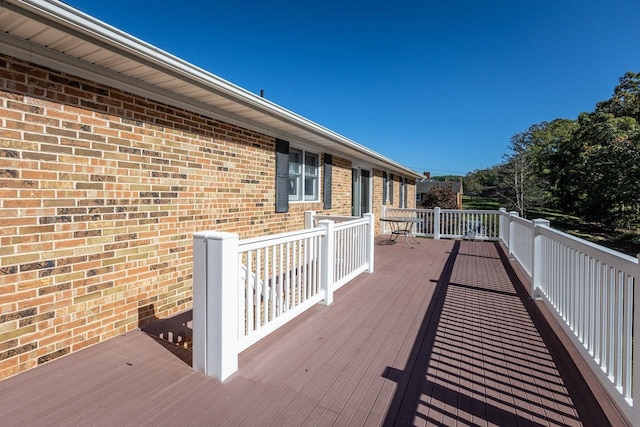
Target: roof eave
(105, 36)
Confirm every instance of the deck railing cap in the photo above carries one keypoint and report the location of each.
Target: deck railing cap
(215, 235)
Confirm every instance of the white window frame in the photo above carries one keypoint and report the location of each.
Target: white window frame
(300, 196)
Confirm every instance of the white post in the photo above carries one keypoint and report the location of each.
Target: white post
(501, 231)
(370, 241)
(308, 219)
(215, 303)
(383, 226)
(327, 253)
(536, 269)
(511, 233)
(436, 223)
(635, 388)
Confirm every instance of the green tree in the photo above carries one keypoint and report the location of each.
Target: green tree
(474, 182)
(472, 185)
(553, 153)
(608, 168)
(589, 166)
(445, 178)
(626, 98)
(520, 183)
(440, 196)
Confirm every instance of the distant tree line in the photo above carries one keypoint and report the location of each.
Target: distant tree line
(588, 167)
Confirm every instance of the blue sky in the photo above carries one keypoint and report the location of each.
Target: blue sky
(437, 86)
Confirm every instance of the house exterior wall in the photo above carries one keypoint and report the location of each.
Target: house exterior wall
(100, 194)
(376, 198)
(411, 194)
(341, 187)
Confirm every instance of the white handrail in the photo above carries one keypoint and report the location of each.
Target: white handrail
(591, 291)
(452, 223)
(588, 288)
(245, 289)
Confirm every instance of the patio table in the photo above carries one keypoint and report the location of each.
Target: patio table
(401, 225)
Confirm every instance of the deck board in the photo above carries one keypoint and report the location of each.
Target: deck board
(442, 334)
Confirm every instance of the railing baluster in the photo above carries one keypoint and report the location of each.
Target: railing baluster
(280, 288)
(619, 326)
(627, 322)
(256, 294)
(242, 296)
(250, 293)
(272, 287)
(597, 348)
(287, 278)
(265, 288)
(610, 323)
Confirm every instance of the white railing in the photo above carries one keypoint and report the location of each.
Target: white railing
(350, 233)
(245, 289)
(504, 226)
(520, 243)
(350, 251)
(280, 278)
(311, 219)
(450, 223)
(591, 292)
(269, 280)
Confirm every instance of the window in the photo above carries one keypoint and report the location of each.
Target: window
(303, 175)
(360, 191)
(405, 194)
(385, 188)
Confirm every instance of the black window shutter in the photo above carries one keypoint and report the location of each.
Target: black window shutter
(384, 188)
(391, 189)
(282, 176)
(328, 168)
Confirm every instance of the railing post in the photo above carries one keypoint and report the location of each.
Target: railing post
(436, 223)
(215, 303)
(503, 213)
(635, 388)
(536, 267)
(370, 241)
(383, 226)
(308, 219)
(511, 233)
(327, 254)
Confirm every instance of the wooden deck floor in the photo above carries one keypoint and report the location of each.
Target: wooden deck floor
(439, 335)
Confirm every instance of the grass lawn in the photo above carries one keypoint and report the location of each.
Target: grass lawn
(625, 241)
(480, 203)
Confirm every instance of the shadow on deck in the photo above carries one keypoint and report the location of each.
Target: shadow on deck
(440, 335)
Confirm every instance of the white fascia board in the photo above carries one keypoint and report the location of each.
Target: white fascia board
(106, 36)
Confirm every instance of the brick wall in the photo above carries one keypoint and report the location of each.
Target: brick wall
(376, 198)
(341, 187)
(100, 193)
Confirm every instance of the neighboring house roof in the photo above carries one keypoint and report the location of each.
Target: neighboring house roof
(55, 35)
(425, 185)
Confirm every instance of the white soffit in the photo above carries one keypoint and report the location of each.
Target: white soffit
(56, 35)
